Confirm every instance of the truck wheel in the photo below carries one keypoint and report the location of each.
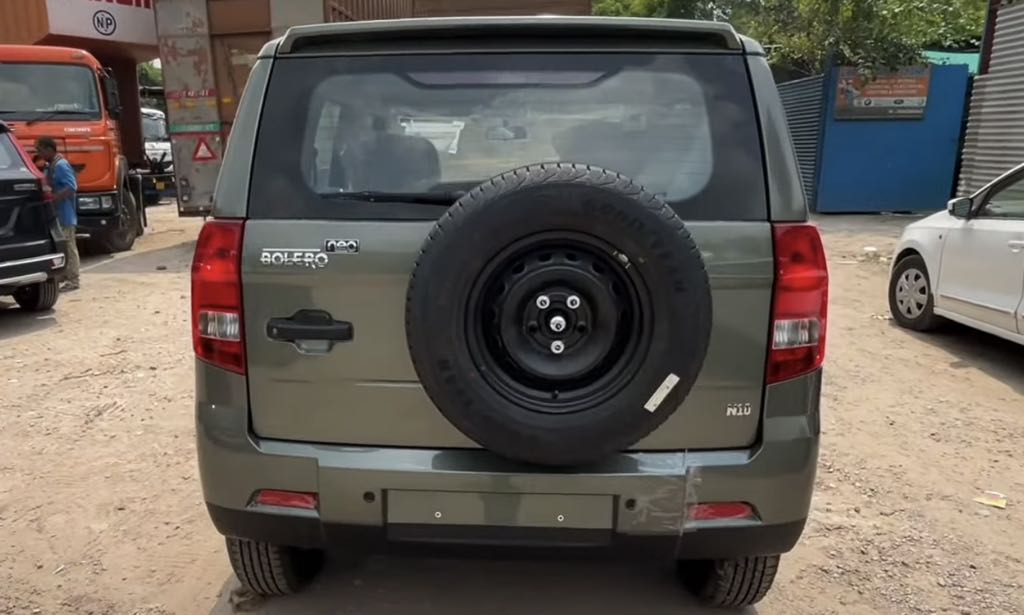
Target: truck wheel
(730, 583)
(272, 570)
(558, 313)
(38, 297)
(122, 237)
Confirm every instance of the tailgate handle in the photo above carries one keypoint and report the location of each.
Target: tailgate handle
(309, 325)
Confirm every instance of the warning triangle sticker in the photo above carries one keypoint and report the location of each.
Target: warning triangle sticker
(203, 151)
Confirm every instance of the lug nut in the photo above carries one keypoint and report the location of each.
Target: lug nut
(557, 347)
(543, 302)
(573, 302)
(557, 324)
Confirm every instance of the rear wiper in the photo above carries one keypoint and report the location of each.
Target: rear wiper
(50, 114)
(373, 196)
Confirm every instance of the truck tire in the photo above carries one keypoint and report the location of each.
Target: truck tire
(272, 570)
(122, 237)
(732, 583)
(38, 297)
(558, 313)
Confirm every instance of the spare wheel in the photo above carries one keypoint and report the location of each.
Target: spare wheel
(558, 314)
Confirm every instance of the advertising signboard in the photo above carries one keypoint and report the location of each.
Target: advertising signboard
(893, 95)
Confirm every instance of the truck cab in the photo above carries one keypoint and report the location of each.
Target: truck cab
(66, 94)
(158, 156)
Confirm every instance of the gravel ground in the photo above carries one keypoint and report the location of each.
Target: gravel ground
(100, 509)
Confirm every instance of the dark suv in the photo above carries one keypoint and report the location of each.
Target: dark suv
(522, 281)
(32, 247)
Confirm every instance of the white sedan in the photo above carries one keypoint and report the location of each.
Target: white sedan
(966, 263)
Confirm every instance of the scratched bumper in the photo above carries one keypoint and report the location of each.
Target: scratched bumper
(472, 496)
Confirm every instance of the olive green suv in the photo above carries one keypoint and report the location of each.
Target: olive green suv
(535, 282)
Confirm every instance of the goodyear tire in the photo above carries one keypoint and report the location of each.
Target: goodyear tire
(558, 314)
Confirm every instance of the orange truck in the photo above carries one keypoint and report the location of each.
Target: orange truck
(66, 94)
(68, 70)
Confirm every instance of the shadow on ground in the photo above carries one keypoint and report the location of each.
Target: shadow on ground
(15, 322)
(172, 259)
(390, 585)
(999, 358)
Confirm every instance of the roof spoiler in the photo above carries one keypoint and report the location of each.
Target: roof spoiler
(649, 32)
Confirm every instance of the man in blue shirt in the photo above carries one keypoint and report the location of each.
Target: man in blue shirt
(62, 180)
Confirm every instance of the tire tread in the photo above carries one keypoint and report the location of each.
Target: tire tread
(267, 569)
(734, 583)
(38, 297)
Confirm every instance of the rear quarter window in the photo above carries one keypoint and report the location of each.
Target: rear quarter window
(683, 125)
(9, 157)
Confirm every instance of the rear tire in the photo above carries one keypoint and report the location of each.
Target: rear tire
(38, 297)
(731, 583)
(909, 307)
(121, 238)
(272, 570)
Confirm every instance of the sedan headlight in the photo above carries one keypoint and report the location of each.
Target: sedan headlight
(89, 203)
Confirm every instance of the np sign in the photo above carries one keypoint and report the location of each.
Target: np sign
(104, 23)
(116, 21)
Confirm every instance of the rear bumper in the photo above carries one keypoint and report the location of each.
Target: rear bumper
(471, 496)
(33, 270)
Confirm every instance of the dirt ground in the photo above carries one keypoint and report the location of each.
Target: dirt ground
(100, 509)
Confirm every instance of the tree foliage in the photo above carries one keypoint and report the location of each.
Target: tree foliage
(150, 75)
(801, 35)
(672, 9)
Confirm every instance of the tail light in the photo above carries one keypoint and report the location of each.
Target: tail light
(287, 499)
(721, 511)
(44, 187)
(217, 295)
(800, 302)
(33, 167)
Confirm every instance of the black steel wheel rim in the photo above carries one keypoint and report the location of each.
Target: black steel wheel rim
(557, 322)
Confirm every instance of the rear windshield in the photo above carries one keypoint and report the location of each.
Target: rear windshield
(682, 125)
(10, 159)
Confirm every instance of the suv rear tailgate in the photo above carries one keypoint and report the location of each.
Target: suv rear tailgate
(692, 137)
(366, 391)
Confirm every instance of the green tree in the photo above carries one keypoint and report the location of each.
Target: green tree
(803, 36)
(672, 9)
(150, 75)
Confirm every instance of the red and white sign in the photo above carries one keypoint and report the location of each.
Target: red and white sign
(203, 152)
(121, 21)
(179, 94)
